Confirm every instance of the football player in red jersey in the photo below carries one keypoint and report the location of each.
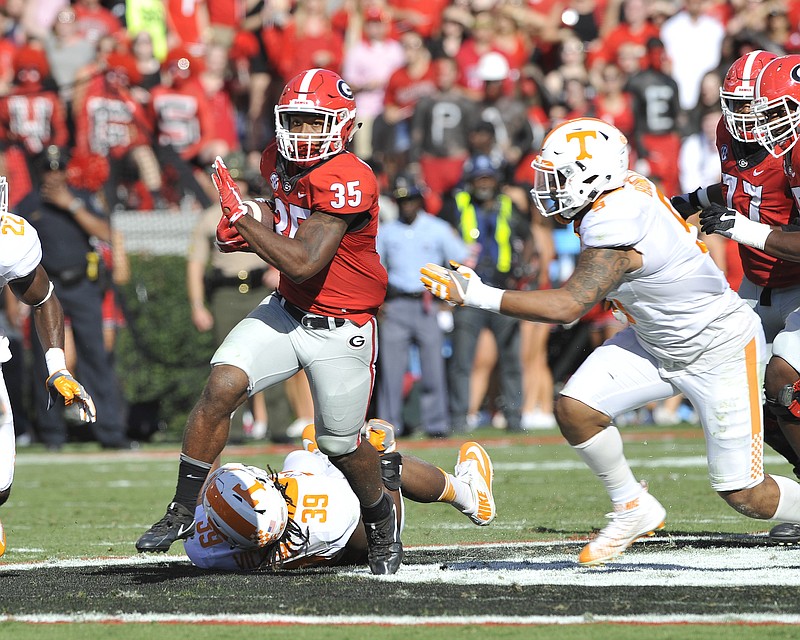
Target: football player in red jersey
(321, 231)
(759, 183)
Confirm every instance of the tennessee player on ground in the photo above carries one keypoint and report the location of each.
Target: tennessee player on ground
(754, 184)
(688, 332)
(321, 318)
(21, 270)
(323, 522)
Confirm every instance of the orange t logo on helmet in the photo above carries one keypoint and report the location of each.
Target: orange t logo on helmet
(581, 136)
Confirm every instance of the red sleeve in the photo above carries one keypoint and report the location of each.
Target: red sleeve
(59, 123)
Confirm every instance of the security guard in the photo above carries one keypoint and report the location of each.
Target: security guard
(499, 238)
(66, 220)
(409, 315)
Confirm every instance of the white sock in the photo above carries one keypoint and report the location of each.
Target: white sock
(789, 502)
(603, 455)
(457, 492)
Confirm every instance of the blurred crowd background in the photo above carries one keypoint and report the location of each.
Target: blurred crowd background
(133, 101)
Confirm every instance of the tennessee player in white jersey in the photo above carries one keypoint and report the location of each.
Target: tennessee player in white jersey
(21, 270)
(688, 332)
(322, 525)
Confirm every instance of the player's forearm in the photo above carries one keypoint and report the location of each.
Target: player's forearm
(49, 322)
(557, 306)
(290, 256)
(783, 244)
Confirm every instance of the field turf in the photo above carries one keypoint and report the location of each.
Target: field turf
(71, 570)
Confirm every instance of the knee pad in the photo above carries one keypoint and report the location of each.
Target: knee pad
(335, 446)
(392, 470)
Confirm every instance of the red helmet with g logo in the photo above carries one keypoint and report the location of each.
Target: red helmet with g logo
(321, 93)
(777, 105)
(737, 91)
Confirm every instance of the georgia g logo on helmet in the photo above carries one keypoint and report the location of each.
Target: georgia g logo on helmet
(345, 90)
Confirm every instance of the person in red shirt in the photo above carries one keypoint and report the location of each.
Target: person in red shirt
(93, 20)
(754, 184)
(320, 233)
(31, 118)
(634, 29)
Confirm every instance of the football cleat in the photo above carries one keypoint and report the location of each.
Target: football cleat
(177, 524)
(381, 435)
(310, 438)
(630, 521)
(2, 539)
(384, 549)
(785, 533)
(475, 468)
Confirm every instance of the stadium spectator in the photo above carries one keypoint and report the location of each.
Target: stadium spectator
(27, 278)
(185, 126)
(188, 25)
(440, 130)
(31, 118)
(391, 135)
(657, 118)
(93, 21)
(770, 283)
(612, 103)
(150, 16)
(321, 319)
(572, 65)
(635, 28)
(66, 220)
(507, 113)
(409, 316)
(147, 64)
(367, 66)
(685, 334)
(306, 40)
(468, 57)
(499, 237)
(300, 539)
(456, 24)
(111, 123)
(689, 64)
(67, 53)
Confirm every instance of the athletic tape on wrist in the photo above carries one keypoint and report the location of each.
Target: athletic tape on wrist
(56, 361)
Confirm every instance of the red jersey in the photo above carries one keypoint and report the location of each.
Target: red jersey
(353, 285)
(754, 184)
(183, 117)
(35, 120)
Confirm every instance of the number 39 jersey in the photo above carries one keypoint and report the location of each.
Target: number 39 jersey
(323, 505)
(678, 302)
(20, 254)
(755, 185)
(353, 285)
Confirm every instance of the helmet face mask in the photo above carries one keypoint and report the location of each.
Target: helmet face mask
(776, 105)
(737, 93)
(244, 506)
(315, 117)
(579, 160)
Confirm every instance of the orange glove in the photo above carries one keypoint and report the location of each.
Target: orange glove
(62, 384)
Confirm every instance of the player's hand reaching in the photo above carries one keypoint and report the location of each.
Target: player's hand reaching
(62, 384)
(230, 198)
(460, 286)
(685, 204)
(726, 222)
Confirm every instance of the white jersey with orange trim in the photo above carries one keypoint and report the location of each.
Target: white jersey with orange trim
(20, 254)
(677, 302)
(325, 508)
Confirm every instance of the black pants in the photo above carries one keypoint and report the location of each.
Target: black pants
(82, 303)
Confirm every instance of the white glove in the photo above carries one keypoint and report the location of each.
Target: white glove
(727, 222)
(460, 286)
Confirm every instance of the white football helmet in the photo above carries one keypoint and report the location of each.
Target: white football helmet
(244, 506)
(580, 159)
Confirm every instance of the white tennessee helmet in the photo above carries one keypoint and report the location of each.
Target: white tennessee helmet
(580, 159)
(244, 506)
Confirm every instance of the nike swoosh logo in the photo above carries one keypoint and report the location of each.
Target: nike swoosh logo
(756, 172)
(182, 531)
(191, 477)
(301, 195)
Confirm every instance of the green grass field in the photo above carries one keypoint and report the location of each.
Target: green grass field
(87, 504)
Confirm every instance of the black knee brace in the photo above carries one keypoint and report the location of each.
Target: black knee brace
(391, 470)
